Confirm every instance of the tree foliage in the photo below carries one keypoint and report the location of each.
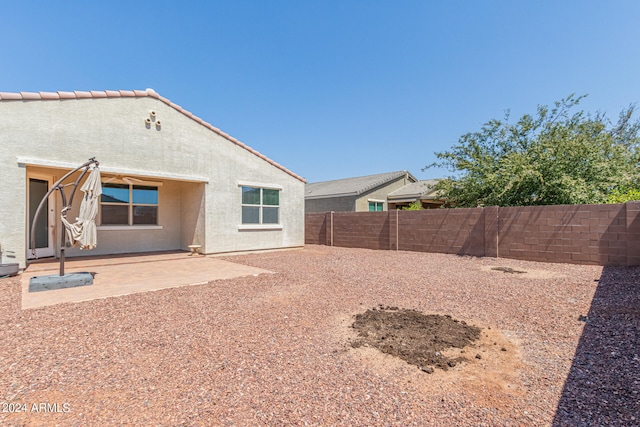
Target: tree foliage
(414, 206)
(623, 195)
(554, 157)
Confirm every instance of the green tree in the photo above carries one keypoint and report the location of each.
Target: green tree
(414, 206)
(553, 157)
(623, 195)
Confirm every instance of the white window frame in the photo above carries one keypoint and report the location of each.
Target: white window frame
(261, 187)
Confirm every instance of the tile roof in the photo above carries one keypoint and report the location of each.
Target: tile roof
(61, 95)
(351, 186)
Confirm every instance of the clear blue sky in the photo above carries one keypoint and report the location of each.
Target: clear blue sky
(334, 88)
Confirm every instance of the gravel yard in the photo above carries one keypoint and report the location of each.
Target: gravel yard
(275, 350)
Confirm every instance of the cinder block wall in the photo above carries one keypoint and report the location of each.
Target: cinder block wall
(579, 234)
(315, 228)
(632, 214)
(368, 230)
(451, 231)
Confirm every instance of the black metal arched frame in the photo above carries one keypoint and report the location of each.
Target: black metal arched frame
(66, 206)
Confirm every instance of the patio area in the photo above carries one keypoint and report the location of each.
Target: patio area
(118, 275)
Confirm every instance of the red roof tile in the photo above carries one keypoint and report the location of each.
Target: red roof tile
(67, 95)
(80, 94)
(49, 95)
(46, 96)
(29, 95)
(10, 96)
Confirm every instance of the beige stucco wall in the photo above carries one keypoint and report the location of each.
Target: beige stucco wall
(204, 210)
(192, 211)
(380, 193)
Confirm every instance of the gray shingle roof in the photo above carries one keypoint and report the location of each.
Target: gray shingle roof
(351, 186)
(420, 189)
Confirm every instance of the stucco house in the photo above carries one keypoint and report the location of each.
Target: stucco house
(420, 191)
(169, 178)
(357, 194)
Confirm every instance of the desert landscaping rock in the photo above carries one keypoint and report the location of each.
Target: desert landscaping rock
(272, 350)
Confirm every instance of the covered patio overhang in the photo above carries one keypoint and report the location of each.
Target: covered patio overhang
(54, 164)
(175, 215)
(427, 202)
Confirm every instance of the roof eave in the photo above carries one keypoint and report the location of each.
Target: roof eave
(405, 196)
(399, 175)
(328, 196)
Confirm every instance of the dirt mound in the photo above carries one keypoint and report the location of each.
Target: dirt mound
(417, 338)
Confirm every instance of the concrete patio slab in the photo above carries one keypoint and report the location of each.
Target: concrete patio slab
(129, 274)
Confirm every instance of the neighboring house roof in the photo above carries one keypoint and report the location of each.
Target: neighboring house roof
(415, 191)
(55, 96)
(352, 186)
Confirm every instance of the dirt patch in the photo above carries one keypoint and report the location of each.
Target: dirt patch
(508, 270)
(488, 368)
(419, 339)
(527, 273)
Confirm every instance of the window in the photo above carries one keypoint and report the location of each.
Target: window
(128, 204)
(260, 205)
(376, 206)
